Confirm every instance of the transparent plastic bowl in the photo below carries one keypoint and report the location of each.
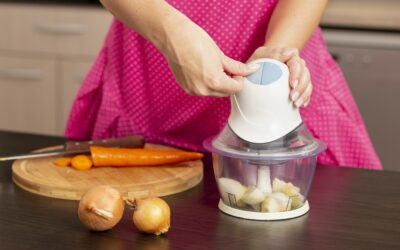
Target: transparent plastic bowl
(274, 178)
(242, 182)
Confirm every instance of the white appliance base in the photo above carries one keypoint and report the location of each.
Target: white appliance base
(264, 216)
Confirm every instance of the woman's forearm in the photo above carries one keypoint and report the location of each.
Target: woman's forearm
(293, 22)
(152, 19)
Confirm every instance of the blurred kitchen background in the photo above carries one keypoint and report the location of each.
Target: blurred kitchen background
(46, 48)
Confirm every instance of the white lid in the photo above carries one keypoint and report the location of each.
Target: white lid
(262, 111)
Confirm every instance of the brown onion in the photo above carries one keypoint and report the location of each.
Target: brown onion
(101, 208)
(152, 215)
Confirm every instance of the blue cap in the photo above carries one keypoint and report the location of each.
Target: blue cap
(266, 74)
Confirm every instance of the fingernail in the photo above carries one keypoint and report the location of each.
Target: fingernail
(299, 102)
(254, 66)
(295, 95)
(295, 83)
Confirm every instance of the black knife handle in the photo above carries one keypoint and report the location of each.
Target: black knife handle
(134, 141)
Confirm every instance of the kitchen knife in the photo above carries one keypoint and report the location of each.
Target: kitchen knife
(80, 147)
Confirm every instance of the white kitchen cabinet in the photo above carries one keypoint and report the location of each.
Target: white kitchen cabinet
(367, 14)
(56, 30)
(72, 75)
(5, 35)
(370, 63)
(27, 94)
(45, 52)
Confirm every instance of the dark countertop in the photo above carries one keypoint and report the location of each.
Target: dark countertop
(350, 209)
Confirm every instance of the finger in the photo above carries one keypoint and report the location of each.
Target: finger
(304, 81)
(227, 85)
(300, 84)
(218, 94)
(295, 69)
(308, 100)
(286, 54)
(304, 99)
(205, 92)
(303, 84)
(238, 68)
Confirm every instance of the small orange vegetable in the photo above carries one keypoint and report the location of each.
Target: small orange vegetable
(121, 157)
(81, 162)
(63, 161)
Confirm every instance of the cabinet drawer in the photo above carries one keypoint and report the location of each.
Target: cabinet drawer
(72, 75)
(27, 95)
(57, 30)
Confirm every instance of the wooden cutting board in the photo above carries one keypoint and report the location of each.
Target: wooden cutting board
(41, 176)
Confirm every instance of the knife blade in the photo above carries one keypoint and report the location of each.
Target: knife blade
(80, 147)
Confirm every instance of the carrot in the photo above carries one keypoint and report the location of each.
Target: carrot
(63, 161)
(81, 162)
(120, 157)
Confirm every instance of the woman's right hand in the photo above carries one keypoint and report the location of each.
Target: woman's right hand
(197, 63)
(199, 66)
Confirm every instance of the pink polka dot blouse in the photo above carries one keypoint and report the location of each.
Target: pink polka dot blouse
(130, 89)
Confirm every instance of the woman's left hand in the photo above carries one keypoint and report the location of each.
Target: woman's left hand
(299, 75)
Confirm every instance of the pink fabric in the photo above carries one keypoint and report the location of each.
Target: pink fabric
(130, 89)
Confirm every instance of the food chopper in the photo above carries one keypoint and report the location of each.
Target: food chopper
(264, 159)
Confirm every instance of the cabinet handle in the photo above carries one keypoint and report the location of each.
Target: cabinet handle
(61, 28)
(21, 74)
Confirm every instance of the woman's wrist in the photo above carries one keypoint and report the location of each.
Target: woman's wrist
(171, 29)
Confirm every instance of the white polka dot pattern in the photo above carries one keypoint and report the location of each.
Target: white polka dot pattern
(130, 89)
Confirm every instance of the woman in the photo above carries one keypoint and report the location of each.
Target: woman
(165, 66)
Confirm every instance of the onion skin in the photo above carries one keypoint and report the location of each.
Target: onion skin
(152, 215)
(101, 208)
